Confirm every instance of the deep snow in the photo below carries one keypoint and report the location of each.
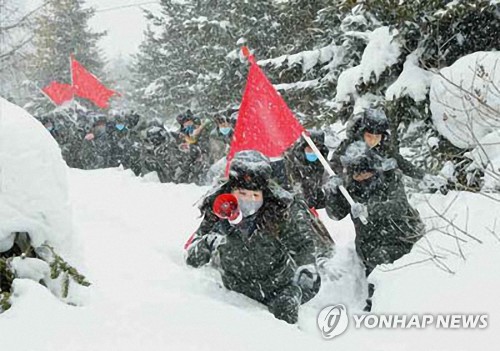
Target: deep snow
(144, 297)
(33, 182)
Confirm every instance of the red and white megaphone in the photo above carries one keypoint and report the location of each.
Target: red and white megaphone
(226, 207)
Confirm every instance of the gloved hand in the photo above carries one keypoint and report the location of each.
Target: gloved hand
(306, 276)
(214, 240)
(332, 184)
(359, 210)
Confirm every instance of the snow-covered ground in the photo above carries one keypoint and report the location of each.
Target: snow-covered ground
(143, 296)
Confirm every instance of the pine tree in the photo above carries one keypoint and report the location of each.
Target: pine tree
(190, 57)
(433, 34)
(61, 30)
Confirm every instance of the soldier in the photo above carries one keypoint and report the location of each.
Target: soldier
(305, 172)
(95, 152)
(221, 136)
(123, 149)
(373, 129)
(393, 225)
(193, 146)
(269, 251)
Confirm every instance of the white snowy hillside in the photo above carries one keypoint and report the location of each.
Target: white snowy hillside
(145, 298)
(33, 182)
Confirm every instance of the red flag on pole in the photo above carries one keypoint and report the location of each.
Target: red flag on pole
(87, 86)
(265, 123)
(59, 93)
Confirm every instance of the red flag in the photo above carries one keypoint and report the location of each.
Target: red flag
(59, 93)
(87, 86)
(265, 123)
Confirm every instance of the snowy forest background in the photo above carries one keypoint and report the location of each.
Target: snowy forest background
(328, 58)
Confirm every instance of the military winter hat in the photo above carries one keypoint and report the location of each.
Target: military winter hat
(375, 121)
(250, 170)
(358, 158)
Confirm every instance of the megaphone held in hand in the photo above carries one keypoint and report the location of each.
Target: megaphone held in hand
(226, 207)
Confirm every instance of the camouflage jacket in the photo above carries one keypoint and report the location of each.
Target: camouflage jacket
(262, 262)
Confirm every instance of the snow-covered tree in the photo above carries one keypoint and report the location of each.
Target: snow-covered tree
(16, 34)
(190, 57)
(61, 30)
(119, 74)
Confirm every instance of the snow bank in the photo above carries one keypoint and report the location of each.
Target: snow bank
(33, 182)
(144, 297)
(465, 100)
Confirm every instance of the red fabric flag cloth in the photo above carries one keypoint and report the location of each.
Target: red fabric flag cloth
(265, 123)
(87, 86)
(59, 93)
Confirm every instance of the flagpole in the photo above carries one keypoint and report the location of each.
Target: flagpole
(72, 85)
(330, 171)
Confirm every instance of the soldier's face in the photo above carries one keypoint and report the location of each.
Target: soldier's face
(248, 195)
(224, 125)
(49, 127)
(372, 140)
(359, 177)
(100, 128)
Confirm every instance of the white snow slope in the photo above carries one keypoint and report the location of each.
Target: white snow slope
(144, 297)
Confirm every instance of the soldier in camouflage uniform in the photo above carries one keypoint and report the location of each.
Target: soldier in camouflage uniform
(64, 132)
(393, 225)
(124, 150)
(96, 151)
(193, 144)
(373, 128)
(305, 172)
(150, 157)
(221, 136)
(270, 256)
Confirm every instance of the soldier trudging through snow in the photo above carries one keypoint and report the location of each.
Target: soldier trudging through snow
(393, 226)
(264, 244)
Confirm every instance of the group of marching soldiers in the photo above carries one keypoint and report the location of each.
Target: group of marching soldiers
(272, 254)
(180, 155)
(276, 250)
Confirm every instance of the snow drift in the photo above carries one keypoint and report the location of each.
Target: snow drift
(144, 297)
(33, 182)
